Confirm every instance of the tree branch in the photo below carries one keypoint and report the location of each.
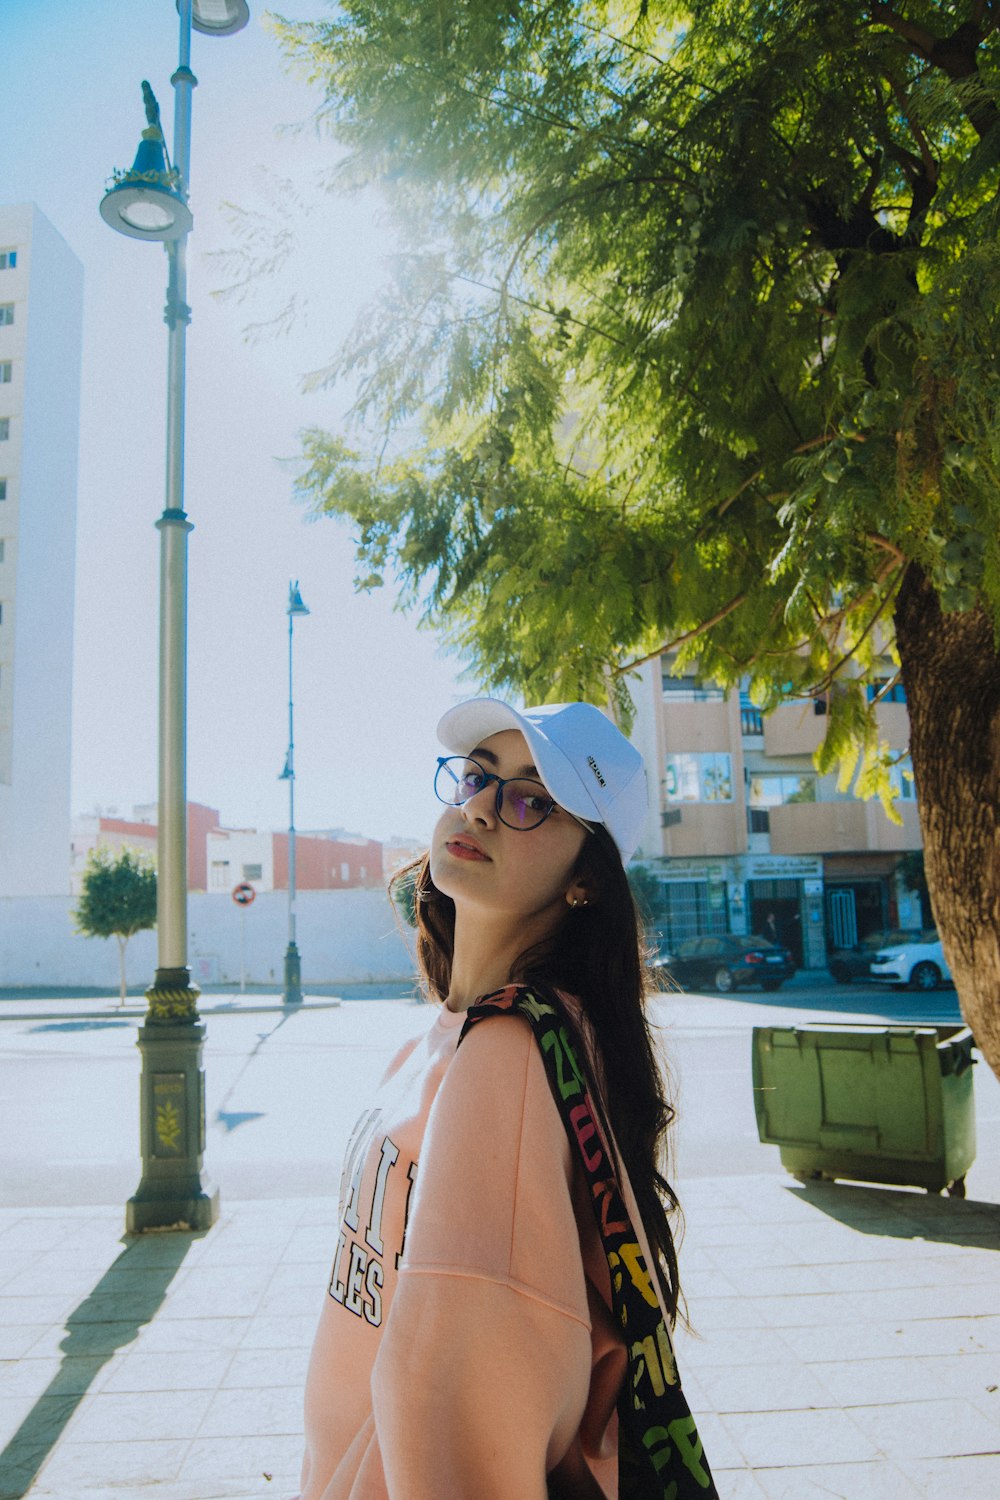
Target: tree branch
(537, 307)
(689, 635)
(878, 540)
(921, 40)
(830, 677)
(955, 55)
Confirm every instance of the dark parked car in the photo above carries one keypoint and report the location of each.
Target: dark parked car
(725, 963)
(848, 964)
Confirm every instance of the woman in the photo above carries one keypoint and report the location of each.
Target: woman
(470, 1344)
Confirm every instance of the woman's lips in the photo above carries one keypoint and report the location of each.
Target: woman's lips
(462, 850)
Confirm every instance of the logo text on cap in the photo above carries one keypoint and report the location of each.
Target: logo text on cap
(592, 763)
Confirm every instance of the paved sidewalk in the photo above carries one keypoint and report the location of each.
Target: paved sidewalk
(848, 1345)
(109, 1008)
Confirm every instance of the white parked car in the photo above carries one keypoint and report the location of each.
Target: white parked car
(920, 963)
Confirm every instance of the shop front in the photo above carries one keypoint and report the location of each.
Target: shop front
(691, 899)
(861, 897)
(783, 901)
(766, 895)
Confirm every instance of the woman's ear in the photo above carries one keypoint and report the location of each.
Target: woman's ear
(579, 894)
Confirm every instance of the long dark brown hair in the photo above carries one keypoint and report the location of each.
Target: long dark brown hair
(595, 954)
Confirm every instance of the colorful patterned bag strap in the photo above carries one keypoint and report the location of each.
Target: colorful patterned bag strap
(660, 1456)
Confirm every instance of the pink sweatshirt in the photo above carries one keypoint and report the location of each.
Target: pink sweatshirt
(466, 1346)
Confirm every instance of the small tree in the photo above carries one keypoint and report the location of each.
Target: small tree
(117, 900)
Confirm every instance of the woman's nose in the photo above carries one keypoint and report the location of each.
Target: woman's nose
(481, 807)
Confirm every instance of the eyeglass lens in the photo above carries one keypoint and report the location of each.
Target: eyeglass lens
(523, 804)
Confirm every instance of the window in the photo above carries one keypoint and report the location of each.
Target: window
(774, 791)
(699, 778)
(6, 372)
(3, 489)
(4, 429)
(901, 776)
(3, 544)
(688, 689)
(8, 260)
(253, 872)
(6, 313)
(220, 873)
(1, 614)
(895, 694)
(345, 871)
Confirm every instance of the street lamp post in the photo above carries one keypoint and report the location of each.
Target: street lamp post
(149, 202)
(293, 965)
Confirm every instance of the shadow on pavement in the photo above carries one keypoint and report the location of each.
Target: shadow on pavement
(84, 1025)
(127, 1297)
(905, 1214)
(896, 1008)
(382, 989)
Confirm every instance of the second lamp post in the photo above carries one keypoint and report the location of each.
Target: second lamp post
(293, 965)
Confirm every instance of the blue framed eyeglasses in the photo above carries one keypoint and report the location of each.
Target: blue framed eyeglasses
(521, 803)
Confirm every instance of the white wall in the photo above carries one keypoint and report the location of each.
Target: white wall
(343, 937)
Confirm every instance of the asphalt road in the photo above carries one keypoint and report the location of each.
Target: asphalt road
(284, 1089)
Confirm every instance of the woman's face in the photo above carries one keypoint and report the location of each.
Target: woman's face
(482, 863)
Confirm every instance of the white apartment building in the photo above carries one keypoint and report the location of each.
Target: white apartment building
(41, 316)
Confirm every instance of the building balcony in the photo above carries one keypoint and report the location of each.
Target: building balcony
(751, 722)
(893, 721)
(794, 729)
(697, 726)
(840, 827)
(699, 828)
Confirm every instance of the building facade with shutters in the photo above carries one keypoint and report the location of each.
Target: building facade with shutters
(745, 836)
(41, 314)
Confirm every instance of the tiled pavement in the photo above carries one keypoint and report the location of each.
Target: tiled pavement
(847, 1345)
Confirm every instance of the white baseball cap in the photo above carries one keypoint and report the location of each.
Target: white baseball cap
(584, 760)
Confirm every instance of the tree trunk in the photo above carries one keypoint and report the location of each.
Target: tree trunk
(951, 671)
(122, 945)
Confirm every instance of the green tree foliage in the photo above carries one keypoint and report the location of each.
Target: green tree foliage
(694, 342)
(118, 899)
(699, 318)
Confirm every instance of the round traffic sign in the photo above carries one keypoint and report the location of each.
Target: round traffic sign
(244, 893)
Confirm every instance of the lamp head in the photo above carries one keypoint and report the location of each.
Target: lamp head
(218, 17)
(295, 604)
(146, 202)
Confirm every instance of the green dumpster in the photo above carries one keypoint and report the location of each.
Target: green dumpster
(887, 1104)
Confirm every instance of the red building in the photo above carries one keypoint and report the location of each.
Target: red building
(324, 862)
(97, 831)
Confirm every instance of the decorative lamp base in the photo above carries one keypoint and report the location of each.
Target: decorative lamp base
(293, 976)
(173, 1192)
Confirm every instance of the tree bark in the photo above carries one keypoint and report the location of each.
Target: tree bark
(122, 944)
(951, 671)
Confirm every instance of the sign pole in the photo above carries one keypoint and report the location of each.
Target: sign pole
(243, 895)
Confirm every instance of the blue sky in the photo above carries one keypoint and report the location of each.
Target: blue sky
(369, 685)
